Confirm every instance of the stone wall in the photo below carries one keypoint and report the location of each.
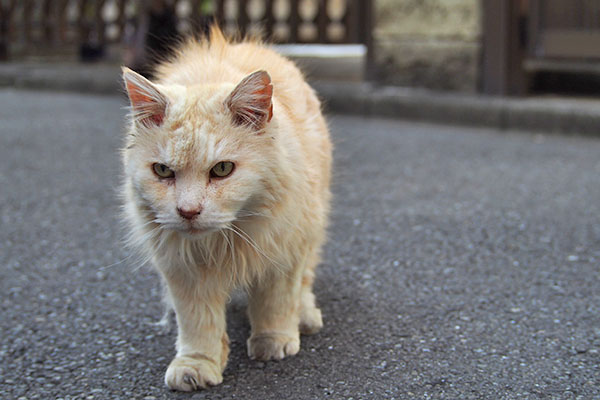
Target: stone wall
(428, 43)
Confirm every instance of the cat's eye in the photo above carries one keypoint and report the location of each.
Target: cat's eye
(222, 170)
(162, 171)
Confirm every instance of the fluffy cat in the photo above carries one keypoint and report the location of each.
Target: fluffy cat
(227, 171)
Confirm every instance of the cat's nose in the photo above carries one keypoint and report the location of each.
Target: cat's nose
(189, 214)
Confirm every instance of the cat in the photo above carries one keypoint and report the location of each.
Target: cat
(227, 165)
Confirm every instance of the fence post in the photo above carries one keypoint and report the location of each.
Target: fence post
(503, 50)
(269, 18)
(366, 37)
(322, 20)
(242, 17)
(6, 13)
(99, 23)
(294, 21)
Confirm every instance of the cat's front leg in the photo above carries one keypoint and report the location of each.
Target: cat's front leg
(202, 342)
(274, 312)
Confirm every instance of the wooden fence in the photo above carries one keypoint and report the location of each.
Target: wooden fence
(38, 26)
(523, 38)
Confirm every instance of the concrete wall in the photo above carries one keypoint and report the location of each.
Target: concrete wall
(428, 43)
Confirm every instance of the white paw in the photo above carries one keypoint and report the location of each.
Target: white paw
(311, 321)
(272, 346)
(188, 374)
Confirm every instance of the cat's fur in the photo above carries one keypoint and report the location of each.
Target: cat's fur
(262, 227)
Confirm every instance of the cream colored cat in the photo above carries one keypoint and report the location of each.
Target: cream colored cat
(227, 170)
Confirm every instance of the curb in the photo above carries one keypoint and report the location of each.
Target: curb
(541, 114)
(549, 115)
(83, 78)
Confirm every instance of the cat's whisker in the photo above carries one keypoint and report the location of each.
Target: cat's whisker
(145, 258)
(115, 263)
(243, 235)
(246, 213)
(149, 233)
(229, 244)
(141, 262)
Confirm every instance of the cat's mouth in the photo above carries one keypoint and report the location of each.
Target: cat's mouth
(195, 231)
(192, 231)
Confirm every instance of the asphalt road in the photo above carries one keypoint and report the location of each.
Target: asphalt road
(462, 263)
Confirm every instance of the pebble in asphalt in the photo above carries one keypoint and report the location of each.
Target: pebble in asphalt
(462, 263)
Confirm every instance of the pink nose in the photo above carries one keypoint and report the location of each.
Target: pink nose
(189, 214)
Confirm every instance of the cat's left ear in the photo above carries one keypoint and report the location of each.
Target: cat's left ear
(148, 104)
(250, 102)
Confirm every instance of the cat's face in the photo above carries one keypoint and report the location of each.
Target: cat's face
(198, 158)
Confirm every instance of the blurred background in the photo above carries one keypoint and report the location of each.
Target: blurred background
(508, 47)
(464, 243)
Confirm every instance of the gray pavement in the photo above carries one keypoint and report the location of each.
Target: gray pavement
(462, 263)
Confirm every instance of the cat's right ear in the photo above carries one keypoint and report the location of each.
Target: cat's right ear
(251, 100)
(148, 104)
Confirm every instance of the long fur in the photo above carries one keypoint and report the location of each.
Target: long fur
(271, 213)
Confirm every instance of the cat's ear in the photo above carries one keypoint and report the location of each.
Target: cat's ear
(148, 104)
(250, 102)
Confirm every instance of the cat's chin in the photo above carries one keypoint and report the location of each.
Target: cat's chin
(195, 233)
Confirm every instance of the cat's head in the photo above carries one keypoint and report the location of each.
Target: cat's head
(197, 158)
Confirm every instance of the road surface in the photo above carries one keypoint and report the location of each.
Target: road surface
(462, 263)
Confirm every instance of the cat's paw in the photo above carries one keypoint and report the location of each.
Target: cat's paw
(273, 346)
(189, 373)
(311, 320)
